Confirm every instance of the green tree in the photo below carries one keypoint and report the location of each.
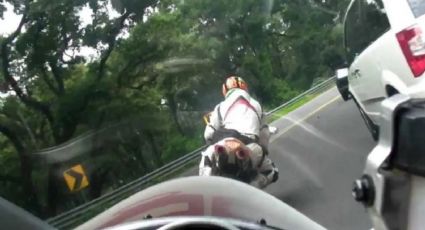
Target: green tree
(151, 51)
(40, 66)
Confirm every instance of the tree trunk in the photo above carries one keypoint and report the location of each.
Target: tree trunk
(30, 191)
(55, 181)
(26, 170)
(97, 180)
(53, 189)
(155, 152)
(173, 110)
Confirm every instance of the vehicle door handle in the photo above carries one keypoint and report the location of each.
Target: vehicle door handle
(356, 73)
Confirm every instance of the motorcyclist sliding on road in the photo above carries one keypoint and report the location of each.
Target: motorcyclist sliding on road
(240, 116)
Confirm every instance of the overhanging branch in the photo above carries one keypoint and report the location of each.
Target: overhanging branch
(4, 51)
(13, 138)
(56, 71)
(48, 82)
(119, 24)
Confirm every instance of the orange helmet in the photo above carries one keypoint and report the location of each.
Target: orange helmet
(234, 82)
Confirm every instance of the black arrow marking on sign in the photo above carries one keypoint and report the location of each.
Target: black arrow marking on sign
(78, 178)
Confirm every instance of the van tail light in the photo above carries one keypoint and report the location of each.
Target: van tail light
(412, 44)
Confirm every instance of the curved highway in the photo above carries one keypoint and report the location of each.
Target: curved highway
(320, 150)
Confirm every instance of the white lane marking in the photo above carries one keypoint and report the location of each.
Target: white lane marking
(298, 122)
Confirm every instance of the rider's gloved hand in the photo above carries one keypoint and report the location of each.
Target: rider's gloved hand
(273, 130)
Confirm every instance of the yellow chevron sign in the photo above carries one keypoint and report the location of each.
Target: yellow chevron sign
(75, 178)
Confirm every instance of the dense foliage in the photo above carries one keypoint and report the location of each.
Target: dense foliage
(138, 102)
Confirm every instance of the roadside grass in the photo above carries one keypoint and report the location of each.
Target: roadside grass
(285, 110)
(282, 112)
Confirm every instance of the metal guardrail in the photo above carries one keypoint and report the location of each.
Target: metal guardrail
(315, 89)
(75, 216)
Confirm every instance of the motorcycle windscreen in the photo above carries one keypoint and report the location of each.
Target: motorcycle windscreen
(203, 196)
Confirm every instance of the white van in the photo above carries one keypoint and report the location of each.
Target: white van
(385, 49)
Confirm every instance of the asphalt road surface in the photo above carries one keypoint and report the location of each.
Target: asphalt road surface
(320, 150)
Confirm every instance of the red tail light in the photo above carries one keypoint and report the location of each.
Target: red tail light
(219, 149)
(412, 44)
(241, 154)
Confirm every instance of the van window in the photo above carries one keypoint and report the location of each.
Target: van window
(417, 6)
(365, 21)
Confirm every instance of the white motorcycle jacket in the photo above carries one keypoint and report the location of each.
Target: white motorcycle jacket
(240, 112)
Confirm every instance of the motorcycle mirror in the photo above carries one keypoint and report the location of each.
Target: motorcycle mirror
(410, 141)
